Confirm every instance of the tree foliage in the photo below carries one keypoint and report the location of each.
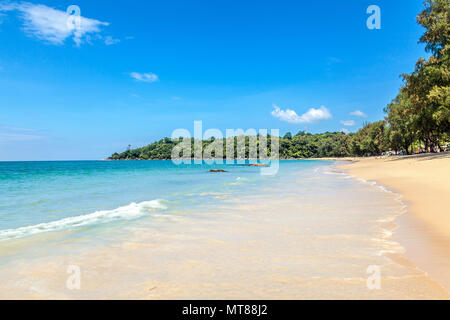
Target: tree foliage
(427, 90)
(330, 144)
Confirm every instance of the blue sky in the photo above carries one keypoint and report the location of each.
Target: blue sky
(137, 70)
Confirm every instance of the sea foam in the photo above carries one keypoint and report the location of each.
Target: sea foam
(131, 211)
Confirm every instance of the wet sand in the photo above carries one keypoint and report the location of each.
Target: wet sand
(424, 183)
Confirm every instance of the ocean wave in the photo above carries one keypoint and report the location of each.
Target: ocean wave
(397, 196)
(131, 211)
(332, 172)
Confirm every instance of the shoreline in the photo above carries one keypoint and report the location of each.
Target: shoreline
(424, 229)
(314, 244)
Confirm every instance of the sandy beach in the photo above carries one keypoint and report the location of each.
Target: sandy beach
(423, 181)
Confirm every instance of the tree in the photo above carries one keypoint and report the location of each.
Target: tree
(428, 87)
(370, 140)
(435, 18)
(401, 132)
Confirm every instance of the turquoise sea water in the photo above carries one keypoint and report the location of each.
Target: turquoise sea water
(41, 197)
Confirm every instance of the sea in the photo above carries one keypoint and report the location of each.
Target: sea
(159, 230)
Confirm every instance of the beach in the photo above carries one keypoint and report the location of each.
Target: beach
(424, 184)
(310, 232)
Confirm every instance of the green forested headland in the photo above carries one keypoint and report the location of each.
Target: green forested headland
(418, 118)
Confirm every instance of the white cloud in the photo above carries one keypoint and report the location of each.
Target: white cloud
(348, 123)
(15, 134)
(358, 113)
(51, 25)
(109, 41)
(144, 77)
(333, 60)
(312, 115)
(8, 128)
(346, 131)
(7, 6)
(12, 137)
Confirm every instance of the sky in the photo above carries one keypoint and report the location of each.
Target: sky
(131, 72)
